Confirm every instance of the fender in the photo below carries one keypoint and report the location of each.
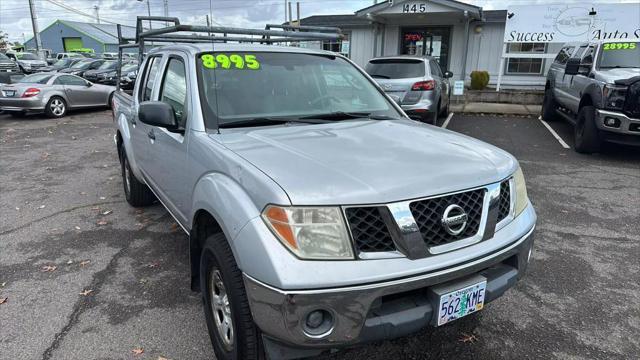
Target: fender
(594, 91)
(228, 203)
(123, 130)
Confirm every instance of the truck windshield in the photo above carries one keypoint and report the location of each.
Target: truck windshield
(26, 56)
(620, 54)
(395, 68)
(261, 85)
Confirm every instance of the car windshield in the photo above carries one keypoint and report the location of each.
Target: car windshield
(260, 85)
(395, 68)
(108, 65)
(63, 62)
(36, 79)
(26, 56)
(620, 54)
(81, 65)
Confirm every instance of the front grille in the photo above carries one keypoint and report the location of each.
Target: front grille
(428, 213)
(368, 230)
(5, 66)
(504, 204)
(632, 101)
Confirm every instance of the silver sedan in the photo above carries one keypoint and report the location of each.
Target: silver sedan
(53, 93)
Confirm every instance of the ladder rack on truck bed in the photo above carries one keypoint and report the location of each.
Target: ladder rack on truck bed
(212, 34)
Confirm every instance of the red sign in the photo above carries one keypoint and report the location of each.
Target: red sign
(413, 37)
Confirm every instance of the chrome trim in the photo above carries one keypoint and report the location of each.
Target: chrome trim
(512, 206)
(625, 122)
(377, 285)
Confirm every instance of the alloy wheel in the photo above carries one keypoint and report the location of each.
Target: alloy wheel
(57, 107)
(221, 309)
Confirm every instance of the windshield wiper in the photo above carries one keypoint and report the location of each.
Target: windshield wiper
(266, 121)
(380, 76)
(341, 115)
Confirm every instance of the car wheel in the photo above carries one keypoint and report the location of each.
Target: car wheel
(233, 333)
(433, 116)
(549, 107)
(137, 193)
(445, 110)
(56, 107)
(586, 133)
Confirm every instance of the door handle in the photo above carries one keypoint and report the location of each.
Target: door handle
(151, 135)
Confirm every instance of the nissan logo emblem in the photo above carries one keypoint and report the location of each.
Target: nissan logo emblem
(454, 219)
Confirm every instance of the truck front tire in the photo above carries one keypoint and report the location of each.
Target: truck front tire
(586, 133)
(233, 333)
(137, 193)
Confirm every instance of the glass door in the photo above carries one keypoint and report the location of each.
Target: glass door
(429, 41)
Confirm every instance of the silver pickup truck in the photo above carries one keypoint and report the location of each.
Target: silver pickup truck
(596, 87)
(319, 215)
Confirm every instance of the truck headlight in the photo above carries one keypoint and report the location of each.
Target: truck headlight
(310, 232)
(521, 192)
(614, 96)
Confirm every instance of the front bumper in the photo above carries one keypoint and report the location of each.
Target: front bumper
(624, 130)
(376, 311)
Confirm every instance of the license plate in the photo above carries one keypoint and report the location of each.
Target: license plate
(9, 93)
(462, 302)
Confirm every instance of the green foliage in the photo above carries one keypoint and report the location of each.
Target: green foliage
(479, 80)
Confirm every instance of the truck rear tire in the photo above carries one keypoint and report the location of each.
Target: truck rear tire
(233, 333)
(586, 133)
(549, 107)
(137, 193)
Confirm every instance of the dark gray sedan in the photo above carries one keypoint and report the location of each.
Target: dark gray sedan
(53, 93)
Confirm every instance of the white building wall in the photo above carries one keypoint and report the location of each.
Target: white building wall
(361, 44)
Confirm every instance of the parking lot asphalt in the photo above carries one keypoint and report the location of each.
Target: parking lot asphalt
(85, 276)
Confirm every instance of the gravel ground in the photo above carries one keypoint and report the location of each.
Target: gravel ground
(121, 276)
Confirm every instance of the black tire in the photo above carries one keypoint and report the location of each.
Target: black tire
(217, 263)
(586, 134)
(432, 117)
(445, 111)
(56, 107)
(109, 100)
(137, 193)
(549, 107)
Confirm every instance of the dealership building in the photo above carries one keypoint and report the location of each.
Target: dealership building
(464, 37)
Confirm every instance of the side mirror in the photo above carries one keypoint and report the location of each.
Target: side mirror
(158, 113)
(572, 66)
(448, 74)
(395, 98)
(89, 84)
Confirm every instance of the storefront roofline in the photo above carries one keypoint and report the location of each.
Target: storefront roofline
(472, 10)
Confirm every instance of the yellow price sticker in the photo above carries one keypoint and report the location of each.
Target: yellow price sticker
(619, 46)
(230, 61)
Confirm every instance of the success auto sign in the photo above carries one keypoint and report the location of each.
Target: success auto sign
(572, 22)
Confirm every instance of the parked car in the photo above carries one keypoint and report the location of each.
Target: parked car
(107, 66)
(596, 87)
(28, 62)
(62, 64)
(109, 55)
(52, 93)
(81, 66)
(7, 65)
(418, 83)
(128, 75)
(319, 215)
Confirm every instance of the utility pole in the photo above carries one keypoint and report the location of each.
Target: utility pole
(97, 9)
(166, 11)
(34, 24)
(285, 10)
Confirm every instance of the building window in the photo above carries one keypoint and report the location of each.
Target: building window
(525, 65)
(340, 46)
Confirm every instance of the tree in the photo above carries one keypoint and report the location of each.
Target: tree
(3, 40)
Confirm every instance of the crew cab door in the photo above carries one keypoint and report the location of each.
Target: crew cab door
(139, 130)
(167, 164)
(561, 80)
(580, 81)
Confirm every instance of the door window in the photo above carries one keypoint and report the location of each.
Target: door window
(564, 55)
(70, 80)
(173, 90)
(587, 57)
(150, 76)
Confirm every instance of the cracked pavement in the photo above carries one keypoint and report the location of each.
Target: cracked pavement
(61, 204)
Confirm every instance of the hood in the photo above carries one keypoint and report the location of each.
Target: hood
(33, 62)
(611, 75)
(357, 162)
